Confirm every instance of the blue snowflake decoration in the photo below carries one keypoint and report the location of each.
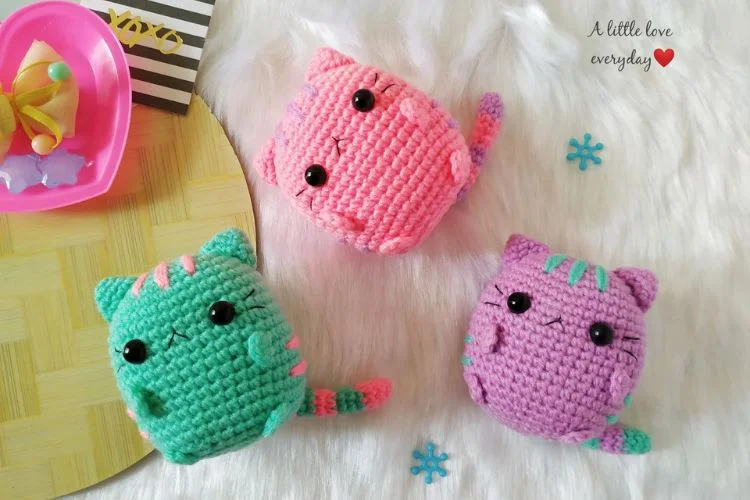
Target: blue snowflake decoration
(585, 151)
(430, 463)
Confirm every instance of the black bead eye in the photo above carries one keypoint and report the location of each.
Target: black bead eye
(519, 302)
(363, 100)
(316, 175)
(221, 313)
(601, 334)
(135, 352)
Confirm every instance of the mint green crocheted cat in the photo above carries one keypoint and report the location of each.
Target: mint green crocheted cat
(204, 358)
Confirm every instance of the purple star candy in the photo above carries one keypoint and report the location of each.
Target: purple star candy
(20, 172)
(58, 169)
(61, 168)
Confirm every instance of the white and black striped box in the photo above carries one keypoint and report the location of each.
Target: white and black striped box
(162, 77)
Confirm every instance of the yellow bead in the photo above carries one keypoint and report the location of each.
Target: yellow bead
(43, 144)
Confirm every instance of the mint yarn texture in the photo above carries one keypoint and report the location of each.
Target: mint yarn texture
(204, 358)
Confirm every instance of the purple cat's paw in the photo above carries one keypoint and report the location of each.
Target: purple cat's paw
(620, 385)
(579, 436)
(476, 389)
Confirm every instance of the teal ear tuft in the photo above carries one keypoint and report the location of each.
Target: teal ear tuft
(231, 243)
(109, 293)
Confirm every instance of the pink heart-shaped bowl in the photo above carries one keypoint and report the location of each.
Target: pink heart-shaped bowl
(98, 62)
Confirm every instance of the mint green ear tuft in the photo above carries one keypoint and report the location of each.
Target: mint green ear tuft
(231, 243)
(109, 293)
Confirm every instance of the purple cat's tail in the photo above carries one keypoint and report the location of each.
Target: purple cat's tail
(621, 440)
(487, 126)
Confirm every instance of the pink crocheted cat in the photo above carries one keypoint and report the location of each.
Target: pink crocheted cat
(370, 158)
(556, 346)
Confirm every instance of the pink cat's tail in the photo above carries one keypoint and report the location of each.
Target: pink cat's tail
(487, 126)
(621, 440)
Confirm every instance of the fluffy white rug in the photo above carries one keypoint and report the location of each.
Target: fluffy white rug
(672, 194)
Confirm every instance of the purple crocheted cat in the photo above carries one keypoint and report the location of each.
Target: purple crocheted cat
(556, 347)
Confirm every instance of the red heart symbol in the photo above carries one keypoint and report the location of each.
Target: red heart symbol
(664, 57)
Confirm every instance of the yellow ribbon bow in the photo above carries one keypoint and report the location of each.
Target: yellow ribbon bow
(23, 107)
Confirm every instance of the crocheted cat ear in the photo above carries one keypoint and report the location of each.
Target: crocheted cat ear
(264, 162)
(519, 246)
(109, 293)
(324, 60)
(642, 282)
(231, 243)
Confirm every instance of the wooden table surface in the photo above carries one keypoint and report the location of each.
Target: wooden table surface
(62, 424)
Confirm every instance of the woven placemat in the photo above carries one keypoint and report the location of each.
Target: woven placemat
(63, 426)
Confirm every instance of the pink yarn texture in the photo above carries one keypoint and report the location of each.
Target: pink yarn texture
(385, 170)
(531, 360)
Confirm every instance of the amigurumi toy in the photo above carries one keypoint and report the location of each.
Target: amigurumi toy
(204, 358)
(370, 158)
(556, 347)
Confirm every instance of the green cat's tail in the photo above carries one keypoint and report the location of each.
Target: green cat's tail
(621, 440)
(366, 396)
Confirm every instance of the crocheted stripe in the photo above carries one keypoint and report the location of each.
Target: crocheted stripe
(138, 285)
(310, 90)
(553, 262)
(295, 112)
(602, 280)
(325, 403)
(161, 275)
(293, 343)
(307, 408)
(299, 369)
(577, 270)
(617, 439)
(486, 128)
(349, 401)
(365, 396)
(188, 263)
(635, 441)
(374, 393)
(593, 444)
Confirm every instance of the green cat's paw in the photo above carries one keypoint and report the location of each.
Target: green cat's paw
(277, 418)
(260, 349)
(146, 404)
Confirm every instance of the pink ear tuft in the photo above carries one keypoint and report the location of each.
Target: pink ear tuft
(642, 282)
(264, 162)
(519, 246)
(324, 60)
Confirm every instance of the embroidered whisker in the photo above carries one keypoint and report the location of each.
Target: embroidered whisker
(629, 354)
(387, 87)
